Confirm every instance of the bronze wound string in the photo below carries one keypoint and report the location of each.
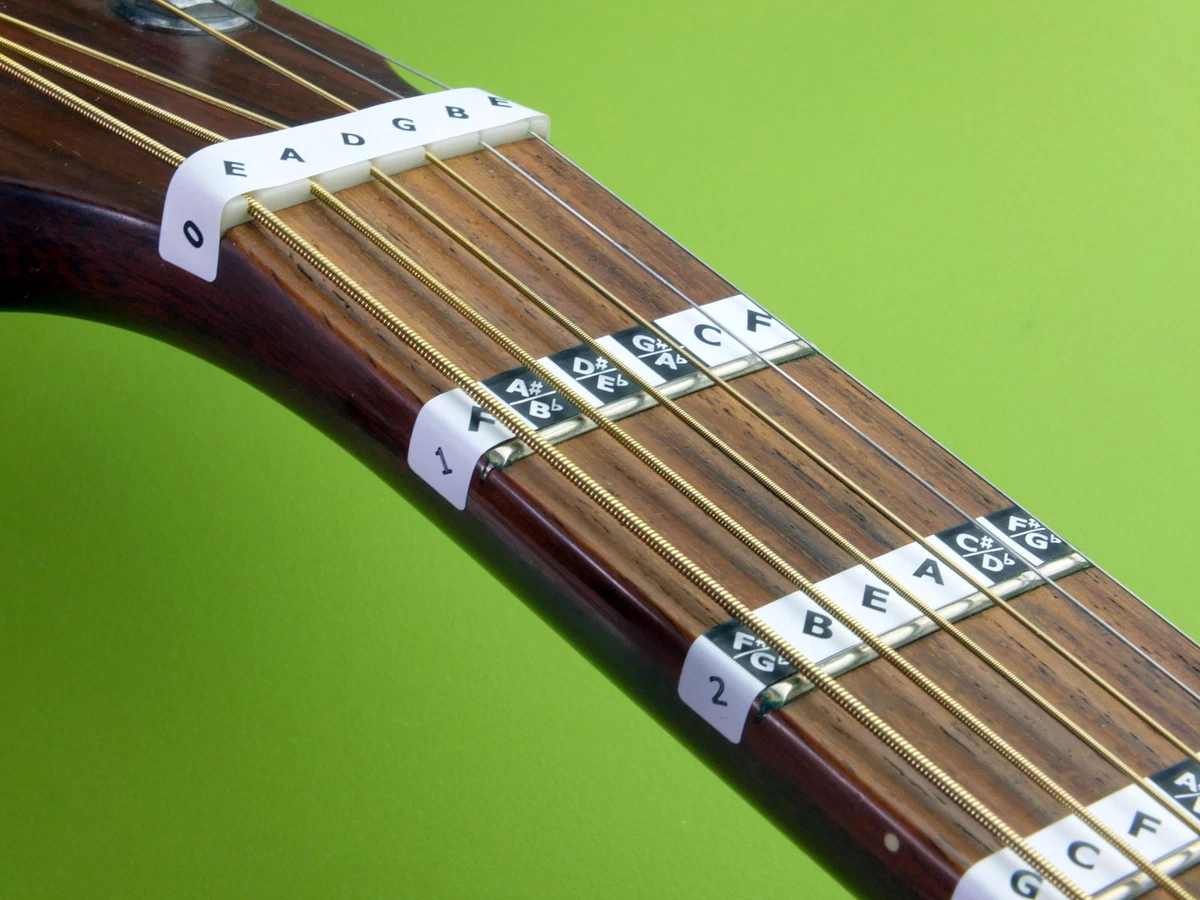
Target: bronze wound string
(744, 535)
(598, 494)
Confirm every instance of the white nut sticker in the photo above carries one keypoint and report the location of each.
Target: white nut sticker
(206, 193)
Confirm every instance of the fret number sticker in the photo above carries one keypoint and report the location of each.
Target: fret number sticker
(451, 433)
(724, 671)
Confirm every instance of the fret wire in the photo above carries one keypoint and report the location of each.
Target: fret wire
(748, 539)
(734, 607)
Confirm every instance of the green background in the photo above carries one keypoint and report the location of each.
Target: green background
(215, 676)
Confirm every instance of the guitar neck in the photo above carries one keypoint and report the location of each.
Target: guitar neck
(729, 524)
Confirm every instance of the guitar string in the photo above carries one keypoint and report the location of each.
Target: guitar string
(395, 62)
(592, 489)
(912, 473)
(1055, 586)
(139, 71)
(878, 646)
(279, 32)
(809, 451)
(956, 633)
(920, 479)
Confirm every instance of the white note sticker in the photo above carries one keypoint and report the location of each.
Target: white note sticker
(865, 598)
(451, 432)
(1078, 852)
(206, 193)
(925, 576)
(720, 332)
(806, 625)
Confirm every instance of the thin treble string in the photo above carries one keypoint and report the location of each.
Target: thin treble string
(736, 529)
(827, 684)
(313, 50)
(395, 62)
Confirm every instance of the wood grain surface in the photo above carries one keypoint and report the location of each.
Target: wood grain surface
(78, 221)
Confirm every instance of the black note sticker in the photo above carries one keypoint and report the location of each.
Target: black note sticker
(983, 551)
(654, 353)
(752, 654)
(596, 372)
(1182, 782)
(1040, 543)
(537, 402)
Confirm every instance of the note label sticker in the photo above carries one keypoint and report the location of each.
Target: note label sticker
(864, 597)
(654, 353)
(595, 372)
(1035, 543)
(919, 571)
(991, 558)
(528, 395)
